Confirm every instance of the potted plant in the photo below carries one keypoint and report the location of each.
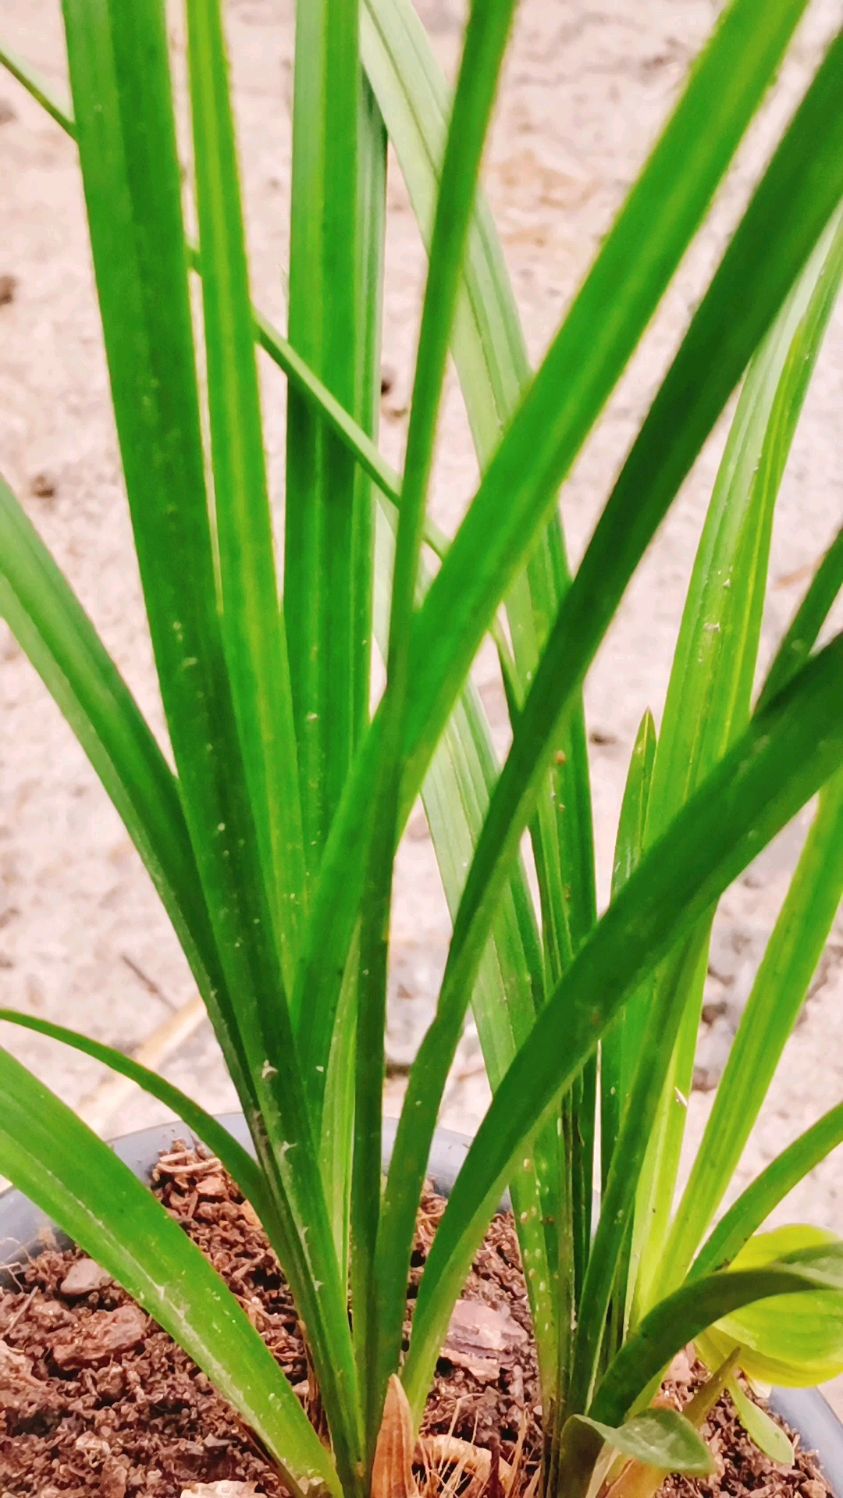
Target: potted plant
(272, 842)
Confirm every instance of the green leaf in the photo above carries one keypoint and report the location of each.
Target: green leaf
(488, 346)
(612, 1239)
(491, 360)
(510, 980)
(280, 350)
(781, 759)
(809, 619)
(65, 648)
(123, 107)
(643, 1476)
(761, 1427)
(68, 1172)
(334, 415)
(237, 1160)
(645, 487)
(660, 458)
(714, 663)
(773, 1007)
(502, 992)
(488, 343)
(589, 353)
(695, 1307)
(659, 1438)
(620, 1050)
(543, 713)
(337, 1116)
(380, 1308)
(756, 1202)
(136, 236)
(708, 698)
(253, 626)
(720, 342)
(58, 637)
(797, 1340)
(38, 88)
(326, 565)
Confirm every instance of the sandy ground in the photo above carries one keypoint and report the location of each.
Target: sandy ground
(587, 86)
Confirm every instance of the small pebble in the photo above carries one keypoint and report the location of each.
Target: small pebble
(223, 1489)
(102, 1336)
(82, 1278)
(43, 486)
(213, 1187)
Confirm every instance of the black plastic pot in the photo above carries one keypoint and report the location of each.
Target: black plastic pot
(24, 1230)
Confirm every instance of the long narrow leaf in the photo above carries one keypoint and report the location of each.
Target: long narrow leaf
(126, 131)
(659, 460)
(253, 625)
(38, 88)
(774, 1004)
(63, 1167)
(237, 1160)
(781, 760)
(380, 1311)
(679, 1318)
(491, 359)
(510, 982)
(757, 1201)
(718, 341)
(708, 698)
(810, 617)
(55, 632)
(143, 298)
(618, 1202)
(279, 349)
(719, 345)
(492, 383)
(337, 1121)
(661, 215)
(322, 555)
(620, 1050)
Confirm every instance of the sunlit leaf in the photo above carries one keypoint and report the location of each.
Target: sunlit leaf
(797, 1340)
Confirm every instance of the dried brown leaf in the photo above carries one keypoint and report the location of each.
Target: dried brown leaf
(392, 1471)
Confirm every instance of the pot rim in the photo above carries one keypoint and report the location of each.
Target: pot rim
(25, 1229)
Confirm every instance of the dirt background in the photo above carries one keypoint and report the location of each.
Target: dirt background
(82, 939)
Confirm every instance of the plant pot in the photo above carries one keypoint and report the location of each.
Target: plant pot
(25, 1229)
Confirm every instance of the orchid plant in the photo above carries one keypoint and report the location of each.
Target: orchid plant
(270, 822)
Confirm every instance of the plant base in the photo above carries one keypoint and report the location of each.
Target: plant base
(97, 1401)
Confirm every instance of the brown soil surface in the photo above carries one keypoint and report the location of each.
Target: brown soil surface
(98, 1402)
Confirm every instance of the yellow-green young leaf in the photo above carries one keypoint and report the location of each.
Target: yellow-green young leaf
(795, 1340)
(761, 1427)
